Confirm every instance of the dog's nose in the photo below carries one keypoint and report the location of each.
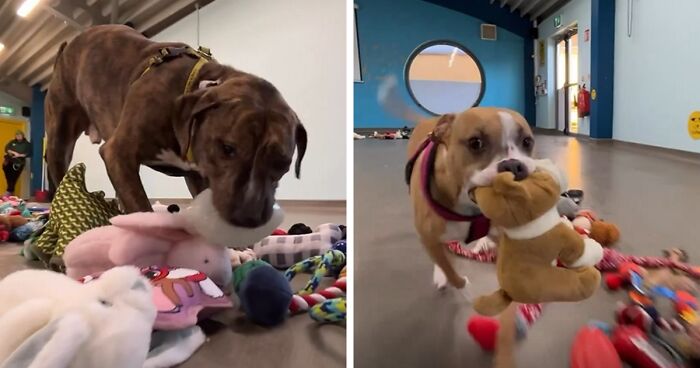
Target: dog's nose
(515, 166)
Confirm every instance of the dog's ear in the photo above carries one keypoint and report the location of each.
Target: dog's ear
(187, 108)
(443, 127)
(300, 139)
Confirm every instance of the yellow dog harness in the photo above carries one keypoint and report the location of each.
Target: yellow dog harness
(203, 56)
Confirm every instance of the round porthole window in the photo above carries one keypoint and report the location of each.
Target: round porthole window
(444, 77)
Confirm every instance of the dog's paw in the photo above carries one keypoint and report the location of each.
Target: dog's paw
(484, 244)
(466, 291)
(439, 278)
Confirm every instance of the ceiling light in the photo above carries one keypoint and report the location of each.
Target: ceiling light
(2, 46)
(26, 7)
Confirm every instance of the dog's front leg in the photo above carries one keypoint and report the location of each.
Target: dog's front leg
(123, 170)
(444, 269)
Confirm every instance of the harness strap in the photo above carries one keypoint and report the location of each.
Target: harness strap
(203, 56)
(479, 224)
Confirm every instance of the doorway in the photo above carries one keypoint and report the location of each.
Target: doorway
(567, 81)
(8, 127)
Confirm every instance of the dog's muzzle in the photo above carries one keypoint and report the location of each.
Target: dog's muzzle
(517, 167)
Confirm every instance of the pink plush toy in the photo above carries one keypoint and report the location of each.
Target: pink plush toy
(143, 239)
(194, 238)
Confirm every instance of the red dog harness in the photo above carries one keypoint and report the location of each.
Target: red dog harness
(479, 223)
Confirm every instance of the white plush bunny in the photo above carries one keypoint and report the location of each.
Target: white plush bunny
(49, 320)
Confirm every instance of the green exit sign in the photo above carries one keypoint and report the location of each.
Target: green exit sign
(6, 110)
(557, 21)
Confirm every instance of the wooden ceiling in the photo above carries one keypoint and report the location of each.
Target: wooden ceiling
(31, 43)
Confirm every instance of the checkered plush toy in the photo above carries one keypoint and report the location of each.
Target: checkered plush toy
(286, 250)
(74, 211)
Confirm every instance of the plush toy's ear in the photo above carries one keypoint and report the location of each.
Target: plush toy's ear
(54, 346)
(156, 224)
(170, 348)
(20, 322)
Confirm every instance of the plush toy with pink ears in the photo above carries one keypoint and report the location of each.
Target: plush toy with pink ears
(195, 238)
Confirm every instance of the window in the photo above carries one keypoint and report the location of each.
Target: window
(358, 66)
(444, 77)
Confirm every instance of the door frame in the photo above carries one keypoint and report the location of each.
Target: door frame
(565, 36)
(25, 178)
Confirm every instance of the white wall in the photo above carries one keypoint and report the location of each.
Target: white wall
(11, 101)
(656, 73)
(299, 46)
(575, 12)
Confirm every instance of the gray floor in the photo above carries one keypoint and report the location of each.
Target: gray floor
(402, 321)
(234, 342)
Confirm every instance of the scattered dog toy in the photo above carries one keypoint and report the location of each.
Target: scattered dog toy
(484, 330)
(333, 312)
(265, 294)
(285, 250)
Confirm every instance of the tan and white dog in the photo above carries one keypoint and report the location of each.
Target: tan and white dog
(450, 155)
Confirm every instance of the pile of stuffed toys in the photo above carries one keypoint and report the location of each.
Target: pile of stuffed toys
(656, 327)
(145, 279)
(403, 133)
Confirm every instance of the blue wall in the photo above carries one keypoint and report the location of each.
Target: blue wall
(602, 67)
(37, 137)
(389, 32)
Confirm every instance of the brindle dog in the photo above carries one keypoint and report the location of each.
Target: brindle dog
(240, 131)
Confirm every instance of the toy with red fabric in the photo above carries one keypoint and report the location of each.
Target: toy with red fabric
(634, 347)
(612, 259)
(620, 278)
(587, 223)
(593, 349)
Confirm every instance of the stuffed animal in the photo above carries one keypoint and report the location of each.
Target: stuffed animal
(567, 207)
(182, 239)
(605, 233)
(49, 320)
(286, 250)
(74, 211)
(263, 291)
(181, 296)
(534, 237)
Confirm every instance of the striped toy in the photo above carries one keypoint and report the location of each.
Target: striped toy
(612, 259)
(321, 265)
(327, 308)
(332, 310)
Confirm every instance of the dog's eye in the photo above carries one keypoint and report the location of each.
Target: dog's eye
(528, 142)
(475, 144)
(105, 303)
(228, 150)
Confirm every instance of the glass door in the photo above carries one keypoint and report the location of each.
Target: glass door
(567, 82)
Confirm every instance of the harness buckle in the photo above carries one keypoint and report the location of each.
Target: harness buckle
(204, 51)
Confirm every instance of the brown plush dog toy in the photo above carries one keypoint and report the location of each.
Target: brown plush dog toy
(605, 233)
(533, 239)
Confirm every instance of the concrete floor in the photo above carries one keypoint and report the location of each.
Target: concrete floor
(235, 342)
(402, 321)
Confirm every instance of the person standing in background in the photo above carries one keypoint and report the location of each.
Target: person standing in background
(16, 153)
